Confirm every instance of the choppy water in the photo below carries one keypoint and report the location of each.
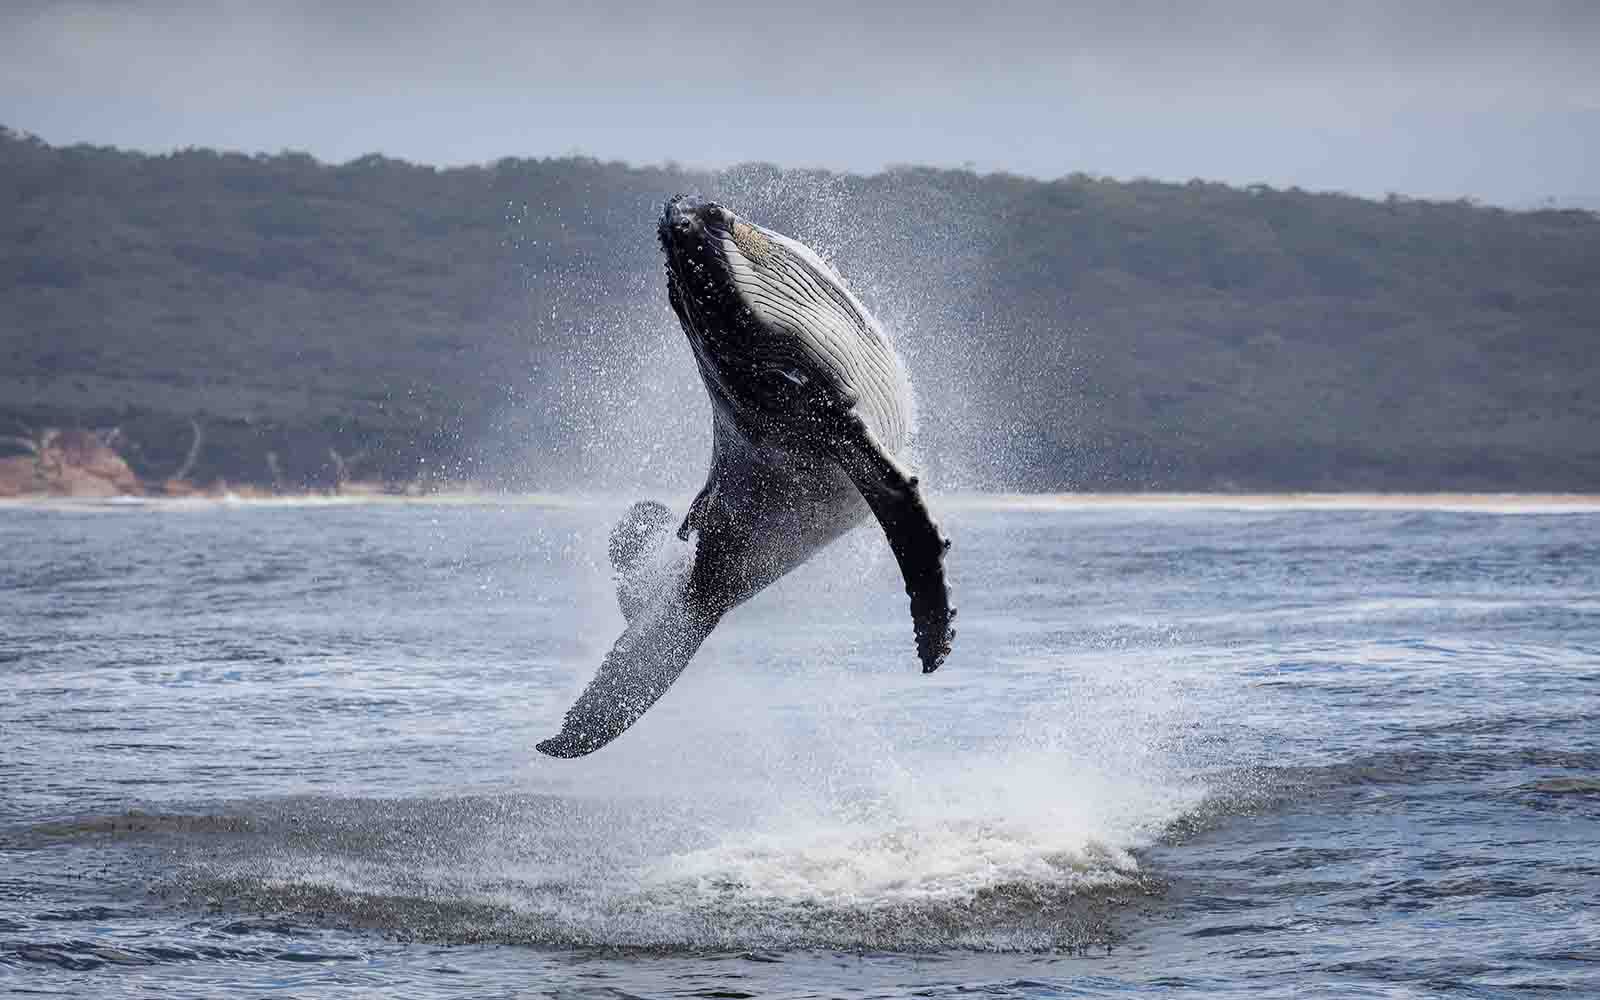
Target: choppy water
(287, 751)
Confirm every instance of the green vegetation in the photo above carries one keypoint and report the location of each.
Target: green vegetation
(507, 323)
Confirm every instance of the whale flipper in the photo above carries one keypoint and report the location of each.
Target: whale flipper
(660, 639)
(914, 538)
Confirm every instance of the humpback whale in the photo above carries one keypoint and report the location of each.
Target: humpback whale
(810, 411)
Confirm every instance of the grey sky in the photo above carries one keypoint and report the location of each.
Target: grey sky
(1499, 101)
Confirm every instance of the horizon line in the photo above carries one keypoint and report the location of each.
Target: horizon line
(1550, 203)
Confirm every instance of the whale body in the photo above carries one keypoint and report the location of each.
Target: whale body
(810, 412)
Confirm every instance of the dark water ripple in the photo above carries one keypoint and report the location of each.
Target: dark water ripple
(288, 750)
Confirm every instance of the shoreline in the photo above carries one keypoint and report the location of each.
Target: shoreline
(1501, 503)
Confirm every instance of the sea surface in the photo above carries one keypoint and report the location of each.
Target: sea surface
(1180, 750)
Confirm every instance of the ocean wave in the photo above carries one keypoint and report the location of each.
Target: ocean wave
(593, 873)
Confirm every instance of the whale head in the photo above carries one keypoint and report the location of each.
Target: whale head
(773, 327)
(707, 247)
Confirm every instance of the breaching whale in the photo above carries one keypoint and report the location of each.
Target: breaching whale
(810, 408)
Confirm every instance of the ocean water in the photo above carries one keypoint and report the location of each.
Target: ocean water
(287, 751)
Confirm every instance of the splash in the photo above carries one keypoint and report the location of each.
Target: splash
(820, 798)
(612, 400)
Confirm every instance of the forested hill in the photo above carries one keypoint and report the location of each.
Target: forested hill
(507, 323)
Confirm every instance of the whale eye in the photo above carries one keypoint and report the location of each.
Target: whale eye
(715, 213)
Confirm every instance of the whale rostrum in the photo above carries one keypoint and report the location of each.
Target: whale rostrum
(810, 408)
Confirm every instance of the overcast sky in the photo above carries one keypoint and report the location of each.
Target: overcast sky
(1499, 101)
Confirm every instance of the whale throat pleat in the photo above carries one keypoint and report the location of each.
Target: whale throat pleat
(822, 322)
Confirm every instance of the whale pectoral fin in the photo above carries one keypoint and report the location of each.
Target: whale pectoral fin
(658, 643)
(895, 500)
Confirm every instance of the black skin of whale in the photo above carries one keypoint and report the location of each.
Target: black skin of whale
(808, 409)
